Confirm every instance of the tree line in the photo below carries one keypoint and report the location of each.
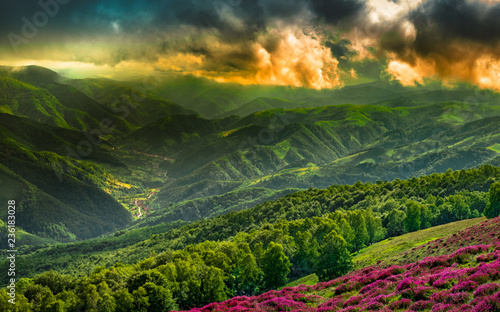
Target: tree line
(315, 231)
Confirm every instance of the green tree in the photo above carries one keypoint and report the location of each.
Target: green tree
(358, 224)
(306, 253)
(189, 283)
(55, 306)
(334, 258)
(376, 231)
(142, 278)
(69, 298)
(106, 302)
(425, 217)
(141, 300)
(259, 252)
(90, 297)
(248, 276)
(346, 231)
(395, 223)
(461, 210)
(124, 300)
(276, 266)
(159, 298)
(5, 305)
(493, 208)
(212, 286)
(39, 296)
(54, 280)
(412, 220)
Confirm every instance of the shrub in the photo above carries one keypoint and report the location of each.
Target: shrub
(488, 289)
(465, 286)
(353, 301)
(488, 304)
(400, 304)
(421, 305)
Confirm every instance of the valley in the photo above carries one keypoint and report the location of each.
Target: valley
(136, 196)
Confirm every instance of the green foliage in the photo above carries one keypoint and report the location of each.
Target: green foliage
(247, 276)
(307, 252)
(192, 271)
(276, 266)
(431, 191)
(124, 300)
(159, 298)
(395, 223)
(412, 221)
(335, 259)
(358, 224)
(493, 208)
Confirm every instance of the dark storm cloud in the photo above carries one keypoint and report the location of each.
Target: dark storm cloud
(337, 10)
(441, 23)
(460, 19)
(94, 16)
(144, 29)
(453, 40)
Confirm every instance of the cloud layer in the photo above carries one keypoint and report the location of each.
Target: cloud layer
(310, 43)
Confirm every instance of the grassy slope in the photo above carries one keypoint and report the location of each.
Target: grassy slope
(53, 103)
(392, 250)
(466, 280)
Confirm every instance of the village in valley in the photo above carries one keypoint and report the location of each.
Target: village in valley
(139, 204)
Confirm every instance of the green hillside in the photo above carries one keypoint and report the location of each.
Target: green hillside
(138, 107)
(300, 148)
(181, 166)
(239, 254)
(441, 198)
(59, 198)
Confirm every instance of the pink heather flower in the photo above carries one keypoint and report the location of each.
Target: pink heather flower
(353, 301)
(375, 306)
(444, 283)
(465, 286)
(283, 304)
(336, 302)
(488, 304)
(341, 289)
(400, 304)
(440, 296)
(441, 307)
(487, 289)
(421, 305)
(455, 298)
(378, 284)
(480, 277)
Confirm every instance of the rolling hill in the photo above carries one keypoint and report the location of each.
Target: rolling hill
(59, 198)
(315, 147)
(185, 167)
(210, 261)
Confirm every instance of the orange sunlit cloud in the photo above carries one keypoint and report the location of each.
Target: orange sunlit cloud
(482, 70)
(298, 60)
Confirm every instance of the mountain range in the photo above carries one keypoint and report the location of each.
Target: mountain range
(119, 144)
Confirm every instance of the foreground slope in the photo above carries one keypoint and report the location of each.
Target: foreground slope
(466, 280)
(248, 252)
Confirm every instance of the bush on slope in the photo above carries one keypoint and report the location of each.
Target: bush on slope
(466, 280)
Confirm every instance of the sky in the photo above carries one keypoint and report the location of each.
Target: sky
(302, 43)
